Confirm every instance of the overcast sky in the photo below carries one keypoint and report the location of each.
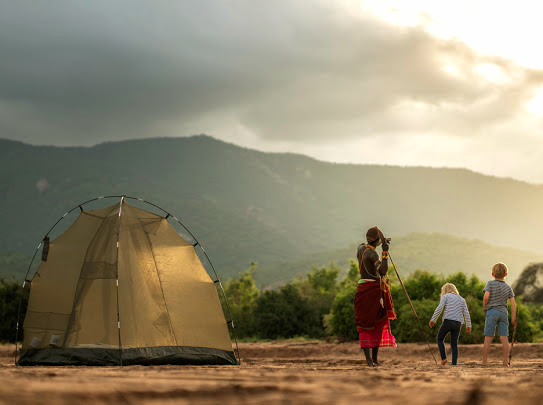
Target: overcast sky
(434, 83)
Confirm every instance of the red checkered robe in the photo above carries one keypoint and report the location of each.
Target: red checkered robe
(373, 309)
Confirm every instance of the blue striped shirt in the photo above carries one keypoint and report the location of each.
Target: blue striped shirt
(500, 292)
(455, 307)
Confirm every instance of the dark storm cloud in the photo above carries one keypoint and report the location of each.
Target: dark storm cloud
(85, 72)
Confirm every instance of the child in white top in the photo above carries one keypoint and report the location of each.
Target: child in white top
(456, 312)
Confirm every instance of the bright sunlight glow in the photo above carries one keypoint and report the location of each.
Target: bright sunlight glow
(485, 25)
(535, 105)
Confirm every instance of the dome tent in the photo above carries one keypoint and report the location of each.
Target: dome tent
(120, 286)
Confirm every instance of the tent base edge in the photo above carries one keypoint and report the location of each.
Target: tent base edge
(162, 355)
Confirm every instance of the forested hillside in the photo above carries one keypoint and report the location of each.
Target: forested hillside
(245, 205)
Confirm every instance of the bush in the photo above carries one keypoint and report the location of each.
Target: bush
(242, 294)
(320, 289)
(475, 307)
(536, 312)
(423, 285)
(527, 328)
(352, 276)
(342, 314)
(10, 293)
(406, 327)
(285, 314)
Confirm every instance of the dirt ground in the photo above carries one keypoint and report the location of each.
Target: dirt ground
(289, 373)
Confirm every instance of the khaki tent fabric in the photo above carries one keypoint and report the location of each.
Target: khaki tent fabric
(165, 308)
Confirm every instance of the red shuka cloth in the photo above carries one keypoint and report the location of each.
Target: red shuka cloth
(377, 338)
(373, 310)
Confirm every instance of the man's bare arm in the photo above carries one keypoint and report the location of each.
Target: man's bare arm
(383, 265)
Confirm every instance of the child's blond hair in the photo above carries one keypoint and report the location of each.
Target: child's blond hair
(499, 270)
(449, 288)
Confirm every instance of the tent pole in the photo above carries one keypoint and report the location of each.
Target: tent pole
(118, 316)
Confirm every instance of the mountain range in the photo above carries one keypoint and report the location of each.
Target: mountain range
(272, 208)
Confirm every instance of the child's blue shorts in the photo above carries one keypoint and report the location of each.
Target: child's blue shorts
(496, 318)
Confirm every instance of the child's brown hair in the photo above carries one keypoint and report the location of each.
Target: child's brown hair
(499, 270)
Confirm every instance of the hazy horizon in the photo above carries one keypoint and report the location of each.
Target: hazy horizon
(232, 142)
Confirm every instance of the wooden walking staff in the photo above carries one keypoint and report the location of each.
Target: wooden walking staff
(407, 296)
(512, 343)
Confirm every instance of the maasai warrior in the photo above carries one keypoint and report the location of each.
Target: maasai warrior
(373, 306)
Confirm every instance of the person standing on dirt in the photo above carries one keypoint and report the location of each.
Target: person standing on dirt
(373, 305)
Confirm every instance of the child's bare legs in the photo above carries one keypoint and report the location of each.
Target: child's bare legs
(486, 348)
(505, 350)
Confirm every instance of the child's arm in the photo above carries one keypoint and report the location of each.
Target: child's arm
(467, 317)
(513, 311)
(485, 300)
(437, 312)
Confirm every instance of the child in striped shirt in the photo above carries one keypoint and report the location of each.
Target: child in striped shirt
(497, 293)
(456, 312)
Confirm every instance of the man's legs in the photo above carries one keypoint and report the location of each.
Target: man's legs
(374, 351)
(369, 360)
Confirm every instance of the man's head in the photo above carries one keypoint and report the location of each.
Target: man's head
(373, 236)
(499, 271)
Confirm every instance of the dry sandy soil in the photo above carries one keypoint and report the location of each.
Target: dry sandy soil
(289, 373)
